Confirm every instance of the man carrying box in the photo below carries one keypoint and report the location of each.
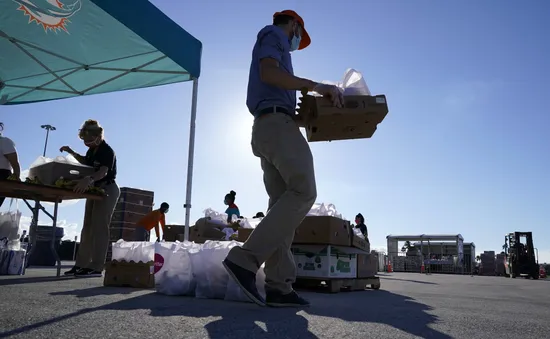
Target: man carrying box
(150, 221)
(286, 161)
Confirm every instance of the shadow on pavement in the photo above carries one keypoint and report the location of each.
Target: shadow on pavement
(240, 319)
(383, 307)
(31, 280)
(411, 280)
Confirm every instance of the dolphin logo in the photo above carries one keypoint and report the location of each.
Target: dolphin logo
(52, 15)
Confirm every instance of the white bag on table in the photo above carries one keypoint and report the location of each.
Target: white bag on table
(9, 222)
(177, 276)
(211, 276)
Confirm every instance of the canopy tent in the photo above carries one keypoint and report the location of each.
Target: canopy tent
(56, 49)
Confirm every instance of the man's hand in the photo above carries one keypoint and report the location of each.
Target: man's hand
(83, 185)
(299, 120)
(332, 92)
(66, 149)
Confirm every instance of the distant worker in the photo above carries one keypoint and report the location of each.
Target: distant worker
(9, 162)
(232, 209)
(360, 224)
(259, 215)
(150, 221)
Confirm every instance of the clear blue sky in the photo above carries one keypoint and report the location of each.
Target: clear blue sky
(464, 148)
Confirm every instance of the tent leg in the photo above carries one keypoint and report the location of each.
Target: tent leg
(191, 157)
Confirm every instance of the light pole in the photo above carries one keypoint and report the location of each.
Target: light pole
(48, 128)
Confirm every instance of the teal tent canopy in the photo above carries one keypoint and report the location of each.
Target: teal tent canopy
(56, 49)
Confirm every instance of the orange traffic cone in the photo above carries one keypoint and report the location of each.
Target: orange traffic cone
(390, 269)
(422, 268)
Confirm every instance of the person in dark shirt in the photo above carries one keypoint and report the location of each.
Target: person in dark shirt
(94, 239)
(360, 224)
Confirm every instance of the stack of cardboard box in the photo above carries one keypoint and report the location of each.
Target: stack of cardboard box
(132, 205)
(327, 247)
(501, 264)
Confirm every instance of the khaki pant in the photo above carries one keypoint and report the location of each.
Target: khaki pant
(289, 180)
(94, 239)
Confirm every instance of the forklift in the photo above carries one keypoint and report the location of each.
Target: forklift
(520, 255)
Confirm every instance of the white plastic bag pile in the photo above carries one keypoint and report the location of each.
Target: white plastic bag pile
(221, 219)
(12, 257)
(187, 268)
(353, 83)
(9, 222)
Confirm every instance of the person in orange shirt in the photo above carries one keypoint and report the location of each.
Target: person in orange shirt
(150, 221)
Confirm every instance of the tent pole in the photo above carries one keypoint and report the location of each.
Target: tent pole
(191, 157)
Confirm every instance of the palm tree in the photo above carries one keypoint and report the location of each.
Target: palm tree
(407, 246)
(478, 258)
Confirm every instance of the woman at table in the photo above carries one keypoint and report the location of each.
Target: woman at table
(94, 239)
(9, 162)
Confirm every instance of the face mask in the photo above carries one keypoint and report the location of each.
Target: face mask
(95, 142)
(295, 43)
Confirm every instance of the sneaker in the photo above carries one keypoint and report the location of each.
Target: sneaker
(292, 299)
(72, 271)
(246, 281)
(87, 272)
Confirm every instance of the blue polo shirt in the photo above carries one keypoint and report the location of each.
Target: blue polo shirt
(272, 42)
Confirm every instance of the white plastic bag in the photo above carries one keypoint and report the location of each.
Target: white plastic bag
(12, 262)
(234, 292)
(163, 251)
(211, 276)
(358, 233)
(9, 222)
(177, 276)
(133, 251)
(69, 159)
(353, 83)
(216, 217)
(321, 209)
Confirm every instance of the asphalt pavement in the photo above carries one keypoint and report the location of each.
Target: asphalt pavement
(408, 305)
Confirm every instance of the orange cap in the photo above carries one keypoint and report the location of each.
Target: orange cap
(306, 40)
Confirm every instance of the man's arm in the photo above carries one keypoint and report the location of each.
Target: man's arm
(162, 224)
(270, 53)
(10, 153)
(14, 162)
(81, 159)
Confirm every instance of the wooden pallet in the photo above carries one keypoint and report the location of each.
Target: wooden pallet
(335, 285)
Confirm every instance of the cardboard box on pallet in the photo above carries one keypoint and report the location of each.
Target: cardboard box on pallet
(358, 118)
(134, 196)
(367, 265)
(244, 233)
(129, 274)
(325, 261)
(324, 230)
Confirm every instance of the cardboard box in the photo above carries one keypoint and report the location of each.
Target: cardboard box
(359, 243)
(50, 172)
(367, 265)
(126, 216)
(314, 261)
(358, 118)
(129, 274)
(171, 232)
(208, 229)
(244, 233)
(323, 230)
(134, 196)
